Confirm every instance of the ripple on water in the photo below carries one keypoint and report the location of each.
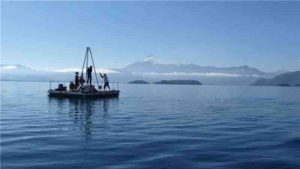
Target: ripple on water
(152, 127)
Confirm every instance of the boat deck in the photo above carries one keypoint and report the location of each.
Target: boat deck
(79, 94)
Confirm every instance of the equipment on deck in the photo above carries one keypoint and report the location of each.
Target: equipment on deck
(84, 90)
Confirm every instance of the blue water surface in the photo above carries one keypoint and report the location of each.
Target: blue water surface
(152, 127)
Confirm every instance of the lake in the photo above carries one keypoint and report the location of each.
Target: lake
(152, 127)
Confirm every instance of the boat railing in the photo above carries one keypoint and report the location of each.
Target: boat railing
(112, 85)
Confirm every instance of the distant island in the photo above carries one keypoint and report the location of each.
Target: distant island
(179, 82)
(138, 82)
(284, 80)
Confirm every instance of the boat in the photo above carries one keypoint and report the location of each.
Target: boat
(85, 90)
(71, 94)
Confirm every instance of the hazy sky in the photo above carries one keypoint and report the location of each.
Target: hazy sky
(265, 35)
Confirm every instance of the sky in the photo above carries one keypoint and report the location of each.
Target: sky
(54, 34)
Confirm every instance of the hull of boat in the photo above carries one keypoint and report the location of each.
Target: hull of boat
(70, 94)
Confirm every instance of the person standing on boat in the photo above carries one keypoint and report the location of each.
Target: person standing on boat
(106, 82)
(89, 74)
(76, 80)
(81, 80)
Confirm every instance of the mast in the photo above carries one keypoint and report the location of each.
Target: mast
(87, 60)
(94, 67)
(86, 63)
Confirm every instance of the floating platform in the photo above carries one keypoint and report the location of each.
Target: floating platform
(81, 88)
(80, 94)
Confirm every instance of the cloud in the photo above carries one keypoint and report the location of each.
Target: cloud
(67, 70)
(13, 68)
(21, 68)
(9, 67)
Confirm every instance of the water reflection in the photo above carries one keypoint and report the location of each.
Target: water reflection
(87, 114)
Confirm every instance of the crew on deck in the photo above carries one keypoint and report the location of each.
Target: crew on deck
(76, 80)
(89, 74)
(72, 86)
(106, 82)
(81, 80)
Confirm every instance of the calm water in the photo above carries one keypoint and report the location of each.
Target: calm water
(151, 126)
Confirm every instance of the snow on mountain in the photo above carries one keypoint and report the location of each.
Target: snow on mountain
(151, 59)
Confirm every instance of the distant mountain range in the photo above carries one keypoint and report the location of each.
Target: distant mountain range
(286, 79)
(149, 66)
(147, 69)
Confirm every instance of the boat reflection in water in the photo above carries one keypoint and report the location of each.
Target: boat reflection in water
(86, 114)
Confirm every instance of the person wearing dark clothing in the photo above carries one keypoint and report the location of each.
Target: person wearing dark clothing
(81, 80)
(72, 86)
(89, 74)
(106, 82)
(76, 80)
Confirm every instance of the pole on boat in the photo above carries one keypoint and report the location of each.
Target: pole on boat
(94, 67)
(86, 63)
(83, 62)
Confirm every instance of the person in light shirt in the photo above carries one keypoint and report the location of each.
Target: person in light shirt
(106, 82)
